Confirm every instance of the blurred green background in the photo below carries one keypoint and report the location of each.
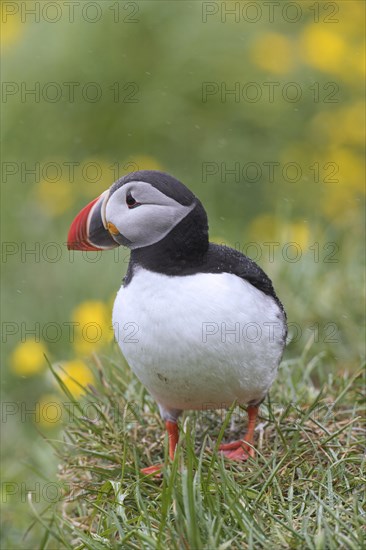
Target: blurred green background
(120, 86)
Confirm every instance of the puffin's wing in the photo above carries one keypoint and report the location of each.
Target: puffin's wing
(223, 259)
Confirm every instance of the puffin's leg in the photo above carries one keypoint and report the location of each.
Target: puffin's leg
(173, 437)
(240, 450)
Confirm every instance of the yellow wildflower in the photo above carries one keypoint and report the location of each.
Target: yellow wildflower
(28, 358)
(76, 376)
(323, 48)
(93, 326)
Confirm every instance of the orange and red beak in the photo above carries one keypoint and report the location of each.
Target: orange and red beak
(88, 231)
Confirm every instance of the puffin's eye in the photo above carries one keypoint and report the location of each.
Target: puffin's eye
(130, 201)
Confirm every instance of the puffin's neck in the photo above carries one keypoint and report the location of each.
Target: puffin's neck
(185, 246)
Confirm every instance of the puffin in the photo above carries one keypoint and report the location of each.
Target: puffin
(198, 323)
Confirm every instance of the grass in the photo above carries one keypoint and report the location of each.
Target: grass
(304, 489)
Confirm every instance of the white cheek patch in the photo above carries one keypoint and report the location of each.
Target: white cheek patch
(148, 223)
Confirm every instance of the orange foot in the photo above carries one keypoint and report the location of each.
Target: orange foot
(231, 446)
(153, 470)
(237, 450)
(173, 434)
(241, 450)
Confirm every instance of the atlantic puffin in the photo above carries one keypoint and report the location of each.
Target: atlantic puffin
(209, 329)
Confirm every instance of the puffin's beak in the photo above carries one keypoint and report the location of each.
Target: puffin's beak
(88, 231)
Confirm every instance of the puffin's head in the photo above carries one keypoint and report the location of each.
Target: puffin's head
(138, 210)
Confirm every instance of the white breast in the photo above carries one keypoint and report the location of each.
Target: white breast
(199, 341)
